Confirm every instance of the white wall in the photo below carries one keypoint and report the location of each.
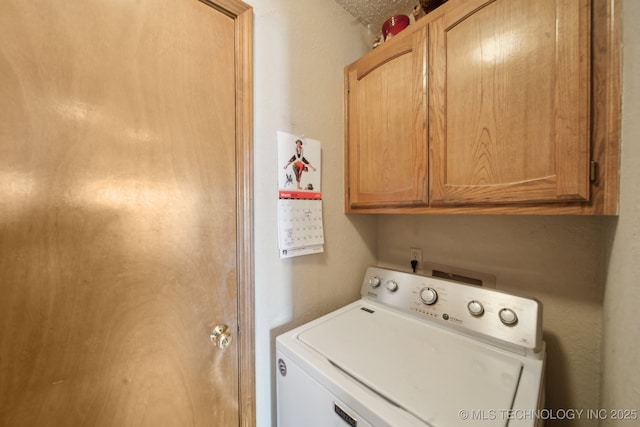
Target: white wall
(300, 50)
(621, 346)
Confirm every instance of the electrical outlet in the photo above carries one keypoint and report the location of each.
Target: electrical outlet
(416, 253)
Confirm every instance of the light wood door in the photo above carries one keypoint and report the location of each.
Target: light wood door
(386, 146)
(509, 102)
(123, 212)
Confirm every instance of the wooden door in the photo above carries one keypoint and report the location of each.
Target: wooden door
(509, 102)
(124, 213)
(386, 147)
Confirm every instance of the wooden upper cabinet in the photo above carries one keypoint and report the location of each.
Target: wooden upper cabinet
(386, 125)
(509, 102)
(489, 106)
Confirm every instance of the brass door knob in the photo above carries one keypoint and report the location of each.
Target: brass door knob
(221, 337)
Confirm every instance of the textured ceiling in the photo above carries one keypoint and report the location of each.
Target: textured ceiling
(373, 13)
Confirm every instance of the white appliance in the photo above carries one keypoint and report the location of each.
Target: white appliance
(415, 351)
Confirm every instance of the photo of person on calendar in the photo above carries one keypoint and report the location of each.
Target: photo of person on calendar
(302, 168)
(300, 164)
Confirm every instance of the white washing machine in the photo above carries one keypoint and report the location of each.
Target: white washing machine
(415, 351)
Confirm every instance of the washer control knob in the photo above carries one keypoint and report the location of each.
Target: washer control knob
(508, 316)
(391, 286)
(374, 281)
(429, 296)
(475, 308)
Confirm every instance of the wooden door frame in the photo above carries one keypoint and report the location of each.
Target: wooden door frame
(242, 14)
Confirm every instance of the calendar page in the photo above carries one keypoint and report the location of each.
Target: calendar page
(300, 226)
(300, 230)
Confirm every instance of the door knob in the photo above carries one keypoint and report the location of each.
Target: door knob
(221, 337)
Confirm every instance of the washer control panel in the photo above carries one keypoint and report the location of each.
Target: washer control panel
(494, 315)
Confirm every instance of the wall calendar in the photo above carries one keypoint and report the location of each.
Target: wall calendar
(300, 230)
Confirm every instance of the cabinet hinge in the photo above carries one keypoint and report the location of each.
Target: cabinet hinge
(594, 171)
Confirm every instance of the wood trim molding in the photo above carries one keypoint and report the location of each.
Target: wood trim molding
(607, 100)
(244, 156)
(242, 14)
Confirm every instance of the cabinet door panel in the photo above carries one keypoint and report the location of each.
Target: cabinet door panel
(386, 122)
(509, 102)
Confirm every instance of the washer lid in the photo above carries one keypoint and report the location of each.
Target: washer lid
(430, 372)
